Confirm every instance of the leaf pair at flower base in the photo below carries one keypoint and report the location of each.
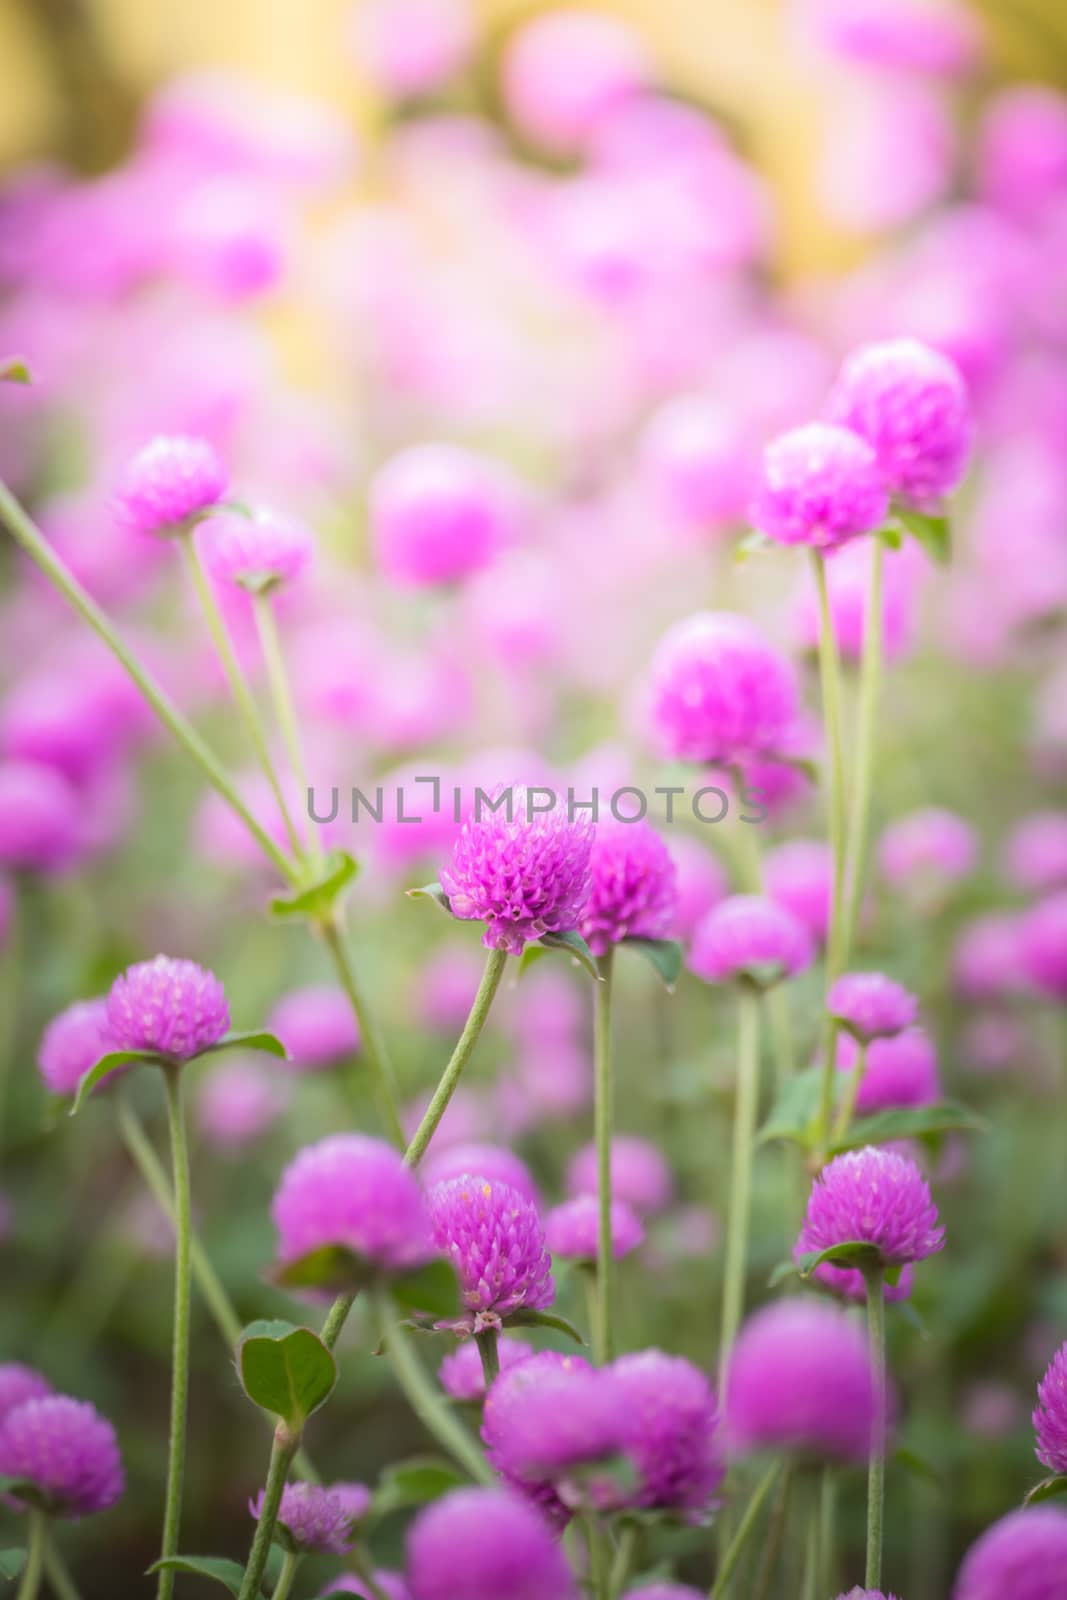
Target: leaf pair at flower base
(116, 1059)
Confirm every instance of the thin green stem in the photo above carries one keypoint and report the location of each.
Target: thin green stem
(179, 1393)
(34, 1568)
(736, 1547)
(285, 709)
(60, 1581)
(830, 678)
(772, 1539)
(866, 738)
(27, 535)
(483, 1000)
(623, 1559)
(599, 1557)
(740, 1205)
(809, 1586)
(846, 1109)
(372, 1043)
(239, 688)
(422, 1395)
(876, 1472)
(282, 1452)
(489, 1350)
(604, 1343)
(284, 1586)
(337, 1317)
(827, 1523)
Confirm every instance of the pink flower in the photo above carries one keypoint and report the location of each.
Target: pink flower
(875, 1197)
(170, 485)
(439, 513)
(871, 1006)
(257, 553)
(170, 1007)
(821, 486)
(633, 892)
(565, 70)
(494, 1239)
(749, 937)
(572, 1229)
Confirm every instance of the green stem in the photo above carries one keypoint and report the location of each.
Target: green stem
(876, 1472)
(737, 1544)
(772, 1541)
(422, 1395)
(604, 1344)
(741, 1171)
(27, 535)
(809, 1587)
(489, 1350)
(827, 1521)
(284, 707)
(31, 1572)
(372, 1043)
(284, 1586)
(599, 1560)
(866, 738)
(846, 1109)
(483, 1000)
(59, 1579)
(624, 1559)
(242, 694)
(10, 962)
(179, 1393)
(282, 1452)
(337, 1317)
(830, 677)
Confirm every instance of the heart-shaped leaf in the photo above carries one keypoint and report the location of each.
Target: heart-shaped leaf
(932, 532)
(434, 892)
(910, 1122)
(851, 1253)
(331, 1268)
(317, 900)
(525, 1318)
(664, 955)
(107, 1065)
(433, 1289)
(576, 946)
(414, 1482)
(11, 1563)
(289, 1373)
(269, 1043)
(1047, 1489)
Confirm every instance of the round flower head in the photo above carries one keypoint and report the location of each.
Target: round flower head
(493, 1161)
(257, 553)
(439, 513)
(1050, 1417)
(314, 1519)
(520, 871)
(871, 1006)
(698, 463)
(316, 1025)
(571, 1229)
(559, 1431)
(932, 848)
(391, 1584)
(820, 486)
(1024, 1555)
(876, 1196)
(66, 1451)
(901, 1071)
(700, 881)
(566, 70)
(18, 1384)
(800, 1379)
(238, 1101)
(634, 892)
(482, 1544)
(1023, 150)
(799, 876)
(1043, 946)
(670, 1430)
(910, 404)
(508, 1398)
(986, 964)
(749, 937)
(663, 1591)
(169, 485)
(1035, 857)
(40, 818)
(461, 1373)
(719, 691)
(905, 36)
(640, 1175)
(73, 1042)
(355, 1193)
(411, 47)
(172, 1007)
(494, 1239)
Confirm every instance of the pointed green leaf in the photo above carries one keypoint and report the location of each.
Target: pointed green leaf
(257, 1040)
(851, 1253)
(229, 1573)
(918, 1466)
(1047, 1489)
(318, 899)
(433, 1289)
(434, 892)
(664, 955)
(11, 1563)
(932, 532)
(910, 1122)
(107, 1065)
(576, 946)
(525, 1318)
(289, 1374)
(793, 1113)
(331, 1267)
(784, 1270)
(14, 370)
(414, 1482)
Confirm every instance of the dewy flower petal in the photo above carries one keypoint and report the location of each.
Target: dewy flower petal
(169, 1006)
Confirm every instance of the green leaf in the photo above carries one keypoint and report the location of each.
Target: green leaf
(918, 1466)
(851, 1253)
(1047, 1489)
(414, 1482)
(317, 900)
(910, 1122)
(576, 946)
(755, 543)
(289, 1374)
(261, 1040)
(794, 1112)
(433, 1289)
(784, 1270)
(434, 892)
(891, 536)
(105, 1066)
(217, 1568)
(11, 1563)
(525, 1318)
(665, 955)
(331, 1267)
(14, 370)
(932, 532)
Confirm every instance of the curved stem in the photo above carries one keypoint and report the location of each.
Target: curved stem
(483, 1000)
(282, 1452)
(32, 1571)
(337, 1317)
(284, 1586)
(830, 679)
(179, 1392)
(59, 1579)
(489, 1350)
(745, 1106)
(866, 737)
(284, 707)
(372, 1044)
(846, 1109)
(876, 1470)
(737, 1544)
(604, 1344)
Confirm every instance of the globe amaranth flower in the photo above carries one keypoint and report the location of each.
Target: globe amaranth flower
(910, 404)
(493, 1237)
(19, 1383)
(719, 692)
(564, 1430)
(799, 876)
(1035, 856)
(391, 1584)
(633, 893)
(493, 1161)
(314, 1519)
(866, 1594)
(169, 485)
(73, 1042)
(317, 1026)
(481, 1544)
(412, 47)
(356, 1194)
(238, 1101)
(461, 1373)
(901, 1071)
(820, 486)
(640, 1174)
(572, 1229)
(750, 937)
(1024, 1555)
(850, 1284)
(800, 1380)
(1043, 946)
(41, 824)
(663, 1591)
(565, 70)
(168, 1006)
(257, 553)
(509, 1397)
(1023, 150)
(439, 513)
(986, 964)
(929, 847)
(522, 872)
(65, 1452)
(878, 1197)
(670, 1430)
(871, 1006)
(1050, 1417)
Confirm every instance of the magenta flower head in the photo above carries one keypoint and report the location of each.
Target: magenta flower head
(173, 1008)
(566, 69)
(748, 937)
(493, 1161)
(461, 1373)
(1050, 1417)
(40, 818)
(877, 1197)
(169, 485)
(355, 1194)
(238, 1101)
(719, 692)
(257, 553)
(927, 850)
(1023, 1555)
(311, 1519)
(670, 1430)
(820, 487)
(986, 963)
(799, 876)
(1023, 150)
(316, 1025)
(65, 1453)
(571, 1229)
(521, 871)
(73, 1042)
(640, 1174)
(482, 1544)
(700, 881)
(868, 1005)
(565, 1431)
(634, 891)
(901, 1071)
(800, 1380)
(439, 513)
(910, 404)
(391, 1584)
(509, 1398)
(493, 1237)
(1035, 857)
(19, 1384)
(1043, 946)
(663, 1591)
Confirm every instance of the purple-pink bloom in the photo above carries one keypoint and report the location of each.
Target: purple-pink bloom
(73, 1042)
(571, 1229)
(871, 1006)
(257, 553)
(1023, 150)
(750, 937)
(1024, 1555)
(701, 883)
(799, 876)
(439, 513)
(566, 70)
(315, 1518)
(986, 963)
(461, 1373)
(663, 1591)
(391, 1584)
(521, 871)
(482, 1544)
(1035, 856)
(928, 847)
(19, 1383)
(640, 1174)
(493, 1237)
(493, 1161)
(354, 1193)
(317, 1026)
(820, 486)
(1050, 1416)
(633, 894)
(171, 1007)
(169, 485)
(40, 818)
(698, 460)
(508, 1398)
(875, 1196)
(800, 1379)
(558, 1431)
(412, 47)
(670, 1430)
(66, 1451)
(901, 1071)
(1043, 946)
(898, 36)
(850, 1283)
(238, 1101)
